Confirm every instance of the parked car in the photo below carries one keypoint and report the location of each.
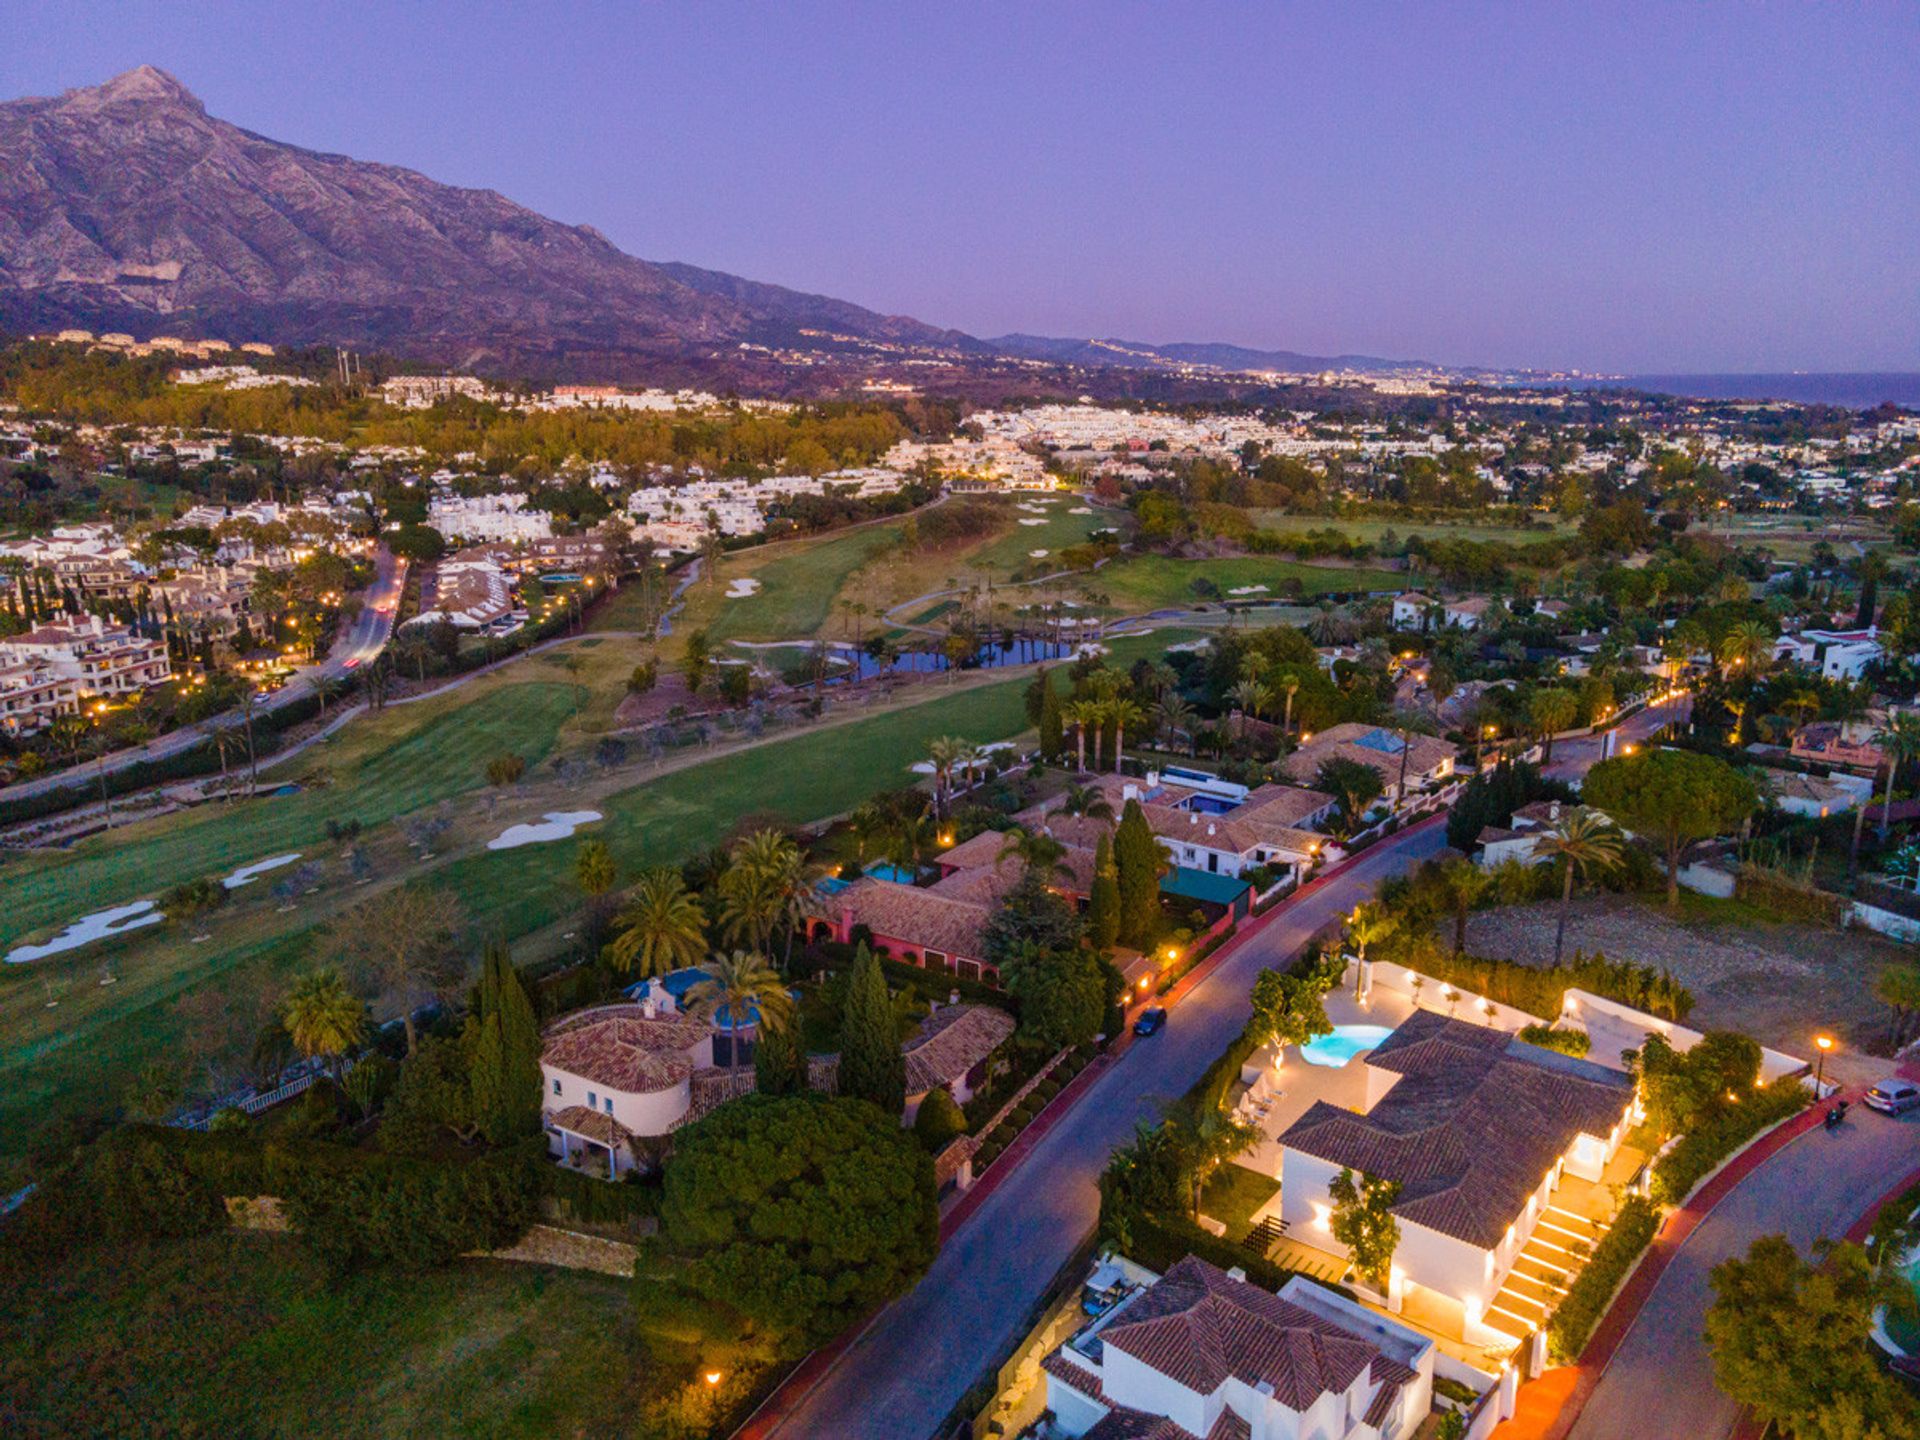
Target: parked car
(1893, 1095)
(1150, 1020)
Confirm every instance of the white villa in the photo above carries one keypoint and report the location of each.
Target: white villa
(616, 1073)
(1480, 1129)
(1201, 1354)
(1411, 611)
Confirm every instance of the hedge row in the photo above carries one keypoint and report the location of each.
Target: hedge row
(1540, 990)
(1681, 1168)
(1159, 1242)
(1586, 1300)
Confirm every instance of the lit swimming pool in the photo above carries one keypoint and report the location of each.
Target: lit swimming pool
(1342, 1045)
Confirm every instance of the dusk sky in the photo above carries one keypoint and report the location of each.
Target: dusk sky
(1618, 187)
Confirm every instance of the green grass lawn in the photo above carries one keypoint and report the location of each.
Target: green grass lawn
(1282, 522)
(799, 580)
(1152, 582)
(1232, 1194)
(244, 1335)
(1011, 554)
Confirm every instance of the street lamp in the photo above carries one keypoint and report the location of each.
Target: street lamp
(1823, 1043)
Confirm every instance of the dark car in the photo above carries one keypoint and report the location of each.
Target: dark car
(1150, 1020)
(1893, 1095)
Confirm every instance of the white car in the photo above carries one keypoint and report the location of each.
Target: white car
(1893, 1095)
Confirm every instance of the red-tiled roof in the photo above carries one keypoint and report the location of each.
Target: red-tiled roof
(950, 1042)
(934, 922)
(624, 1048)
(591, 1125)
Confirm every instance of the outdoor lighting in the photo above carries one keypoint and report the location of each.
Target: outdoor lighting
(713, 1377)
(1822, 1042)
(1144, 983)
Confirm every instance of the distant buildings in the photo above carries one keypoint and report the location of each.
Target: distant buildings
(488, 517)
(1417, 760)
(57, 668)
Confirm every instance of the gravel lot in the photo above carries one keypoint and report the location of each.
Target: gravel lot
(1779, 983)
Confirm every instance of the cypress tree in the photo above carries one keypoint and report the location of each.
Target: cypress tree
(871, 1065)
(1139, 862)
(780, 1062)
(505, 1069)
(1103, 907)
(1052, 732)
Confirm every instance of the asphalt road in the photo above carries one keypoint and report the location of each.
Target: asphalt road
(1573, 758)
(1659, 1385)
(914, 1364)
(361, 642)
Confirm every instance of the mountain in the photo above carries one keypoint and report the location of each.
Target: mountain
(1184, 354)
(125, 206)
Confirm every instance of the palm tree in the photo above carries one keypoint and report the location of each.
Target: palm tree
(780, 882)
(1901, 741)
(1370, 923)
(1746, 646)
(1289, 686)
(1802, 702)
(1250, 697)
(739, 984)
(663, 927)
(1123, 712)
(323, 1017)
(1327, 627)
(1175, 717)
(1080, 714)
(1086, 800)
(1464, 883)
(1585, 843)
(1552, 710)
(1036, 850)
(945, 751)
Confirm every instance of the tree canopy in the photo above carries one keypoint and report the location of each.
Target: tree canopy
(1675, 794)
(803, 1211)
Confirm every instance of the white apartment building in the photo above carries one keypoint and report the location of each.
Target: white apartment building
(58, 667)
(484, 518)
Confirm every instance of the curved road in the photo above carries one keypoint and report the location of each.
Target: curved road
(357, 646)
(921, 1355)
(1659, 1384)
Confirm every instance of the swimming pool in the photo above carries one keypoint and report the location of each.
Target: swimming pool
(1342, 1045)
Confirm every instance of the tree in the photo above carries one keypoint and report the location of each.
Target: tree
(740, 985)
(1676, 794)
(697, 658)
(1062, 994)
(405, 945)
(1052, 735)
(1369, 924)
(1354, 787)
(1103, 904)
(662, 928)
(872, 1066)
(1684, 1090)
(323, 1018)
(1789, 1339)
(780, 1062)
(1552, 710)
(505, 1068)
(1747, 645)
(1122, 713)
(1901, 742)
(1031, 913)
(1080, 714)
(1036, 850)
(505, 770)
(1139, 862)
(1363, 1221)
(1464, 884)
(1205, 1137)
(1898, 988)
(1584, 842)
(802, 1212)
(593, 868)
(939, 1121)
(1291, 1009)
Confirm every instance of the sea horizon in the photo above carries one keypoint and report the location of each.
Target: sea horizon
(1854, 389)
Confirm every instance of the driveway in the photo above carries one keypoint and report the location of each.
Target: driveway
(921, 1355)
(1659, 1385)
(1573, 758)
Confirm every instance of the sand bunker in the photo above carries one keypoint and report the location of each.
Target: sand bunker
(1081, 510)
(1038, 554)
(554, 825)
(739, 589)
(247, 874)
(97, 926)
(1033, 522)
(1248, 590)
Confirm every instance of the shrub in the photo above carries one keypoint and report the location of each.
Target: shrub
(939, 1120)
(193, 898)
(1567, 1042)
(1587, 1298)
(1699, 1152)
(1162, 1241)
(505, 770)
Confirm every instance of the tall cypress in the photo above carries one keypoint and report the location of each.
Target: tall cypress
(1103, 906)
(505, 1068)
(1052, 731)
(780, 1062)
(1140, 862)
(871, 1065)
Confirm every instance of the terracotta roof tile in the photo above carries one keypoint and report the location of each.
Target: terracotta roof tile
(951, 1041)
(624, 1048)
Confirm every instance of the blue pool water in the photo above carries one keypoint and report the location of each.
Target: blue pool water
(899, 874)
(1342, 1045)
(831, 884)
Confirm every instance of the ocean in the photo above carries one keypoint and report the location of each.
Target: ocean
(1855, 390)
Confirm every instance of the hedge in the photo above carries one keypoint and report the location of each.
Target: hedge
(1681, 1168)
(1586, 1300)
(1540, 990)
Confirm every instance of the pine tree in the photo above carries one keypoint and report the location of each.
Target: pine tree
(1140, 862)
(505, 1069)
(1103, 907)
(780, 1062)
(1052, 732)
(871, 1065)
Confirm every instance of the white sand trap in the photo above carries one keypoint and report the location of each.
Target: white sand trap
(1248, 590)
(247, 874)
(1033, 522)
(925, 767)
(739, 589)
(1089, 647)
(1038, 554)
(1081, 510)
(1186, 645)
(97, 926)
(554, 825)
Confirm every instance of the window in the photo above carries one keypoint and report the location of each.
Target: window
(593, 1101)
(609, 1104)
(556, 1087)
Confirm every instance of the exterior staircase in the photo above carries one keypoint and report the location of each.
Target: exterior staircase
(1557, 1251)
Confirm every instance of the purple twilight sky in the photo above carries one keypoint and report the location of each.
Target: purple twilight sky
(1634, 187)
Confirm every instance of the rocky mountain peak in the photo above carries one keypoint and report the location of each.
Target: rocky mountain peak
(142, 85)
